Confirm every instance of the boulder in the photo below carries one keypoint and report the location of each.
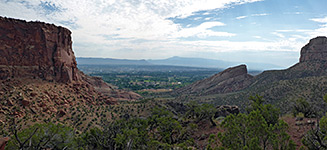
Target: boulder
(10, 103)
(111, 101)
(26, 102)
(61, 113)
(2, 123)
(33, 94)
(225, 110)
(3, 142)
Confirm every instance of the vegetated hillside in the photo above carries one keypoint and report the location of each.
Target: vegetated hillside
(307, 79)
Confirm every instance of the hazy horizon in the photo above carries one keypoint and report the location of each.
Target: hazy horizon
(269, 31)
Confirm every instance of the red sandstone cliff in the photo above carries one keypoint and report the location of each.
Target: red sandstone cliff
(36, 49)
(39, 50)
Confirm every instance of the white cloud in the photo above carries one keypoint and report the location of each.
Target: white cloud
(241, 17)
(253, 15)
(104, 27)
(278, 34)
(202, 31)
(318, 32)
(284, 30)
(208, 18)
(197, 18)
(127, 19)
(263, 14)
(322, 31)
(20, 11)
(320, 20)
(225, 46)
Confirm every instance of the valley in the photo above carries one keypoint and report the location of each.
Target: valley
(49, 101)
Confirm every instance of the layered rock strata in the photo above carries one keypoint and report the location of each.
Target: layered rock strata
(39, 50)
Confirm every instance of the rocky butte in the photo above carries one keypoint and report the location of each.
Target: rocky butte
(36, 50)
(229, 80)
(315, 50)
(307, 79)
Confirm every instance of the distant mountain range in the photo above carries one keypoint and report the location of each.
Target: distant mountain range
(109, 61)
(210, 63)
(176, 61)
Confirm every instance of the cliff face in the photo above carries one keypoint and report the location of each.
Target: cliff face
(315, 50)
(313, 60)
(37, 50)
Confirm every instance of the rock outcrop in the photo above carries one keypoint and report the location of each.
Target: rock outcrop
(102, 87)
(315, 50)
(307, 79)
(3, 142)
(225, 110)
(229, 80)
(313, 60)
(37, 50)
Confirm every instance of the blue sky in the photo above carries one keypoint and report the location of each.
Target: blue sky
(269, 31)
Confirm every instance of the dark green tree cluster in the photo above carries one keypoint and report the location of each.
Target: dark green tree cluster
(42, 136)
(161, 130)
(316, 138)
(121, 134)
(199, 112)
(259, 128)
(303, 106)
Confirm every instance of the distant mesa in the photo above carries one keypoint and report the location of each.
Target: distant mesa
(43, 51)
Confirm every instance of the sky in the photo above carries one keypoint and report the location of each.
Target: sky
(267, 31)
